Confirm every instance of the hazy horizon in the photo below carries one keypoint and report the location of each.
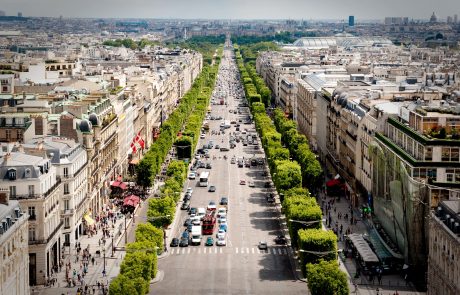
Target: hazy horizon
(233, 9)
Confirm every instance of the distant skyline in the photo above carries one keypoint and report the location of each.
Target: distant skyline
(234, 9)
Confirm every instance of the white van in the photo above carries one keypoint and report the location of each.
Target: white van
(201, 212)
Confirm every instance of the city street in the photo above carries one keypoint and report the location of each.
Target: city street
(240, 267)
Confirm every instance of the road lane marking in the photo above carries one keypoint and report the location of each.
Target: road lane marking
(236, 249)
(188, 252)
(247, 250)
(252, 250)
(274, 251)
(199, 250)
(215, 250)
(258, 250)
(204, 250)
(284, 251)
(172, 251)
(183, 250)
(279, 251)
(220, 250)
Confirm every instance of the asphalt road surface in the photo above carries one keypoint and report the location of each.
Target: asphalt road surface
(240, 267)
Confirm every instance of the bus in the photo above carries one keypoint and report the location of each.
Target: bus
(204, 178)
(209, 222)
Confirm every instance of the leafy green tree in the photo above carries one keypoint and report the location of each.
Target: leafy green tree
(150, 250)
(137, 264)
(177, 170)
(317, 244)
(159, 209)
(148, 232)
(288, 175)
(122, 285)
(325, 278)
(144, 175)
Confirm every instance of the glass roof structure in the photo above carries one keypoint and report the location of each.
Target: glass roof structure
(325, 42)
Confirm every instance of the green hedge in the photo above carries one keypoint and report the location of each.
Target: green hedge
(316, 240)
(325, 278)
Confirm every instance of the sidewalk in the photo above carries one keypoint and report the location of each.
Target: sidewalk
(94, 272)
(390, 282)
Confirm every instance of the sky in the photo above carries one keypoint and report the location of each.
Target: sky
(234, 9)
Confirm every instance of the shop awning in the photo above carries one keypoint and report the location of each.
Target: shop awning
(131, 200)
(119, 184)
(333, 182)
(88, 219)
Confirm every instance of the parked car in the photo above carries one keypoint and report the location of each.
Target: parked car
(270, 198)
(183, 242)
(192, 211)
(280, 240)
(174, 242)
(211, 188)
(192, 175)
(185, 205)
(208, 166)
(242, 182)
(251, 184)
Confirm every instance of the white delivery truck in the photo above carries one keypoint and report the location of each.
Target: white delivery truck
(196, 235)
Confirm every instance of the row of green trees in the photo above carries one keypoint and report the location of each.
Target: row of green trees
(317, 247)
(140, 265)
(299, 149)
(130, 43)
(206, 45)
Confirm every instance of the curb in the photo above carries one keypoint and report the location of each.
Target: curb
(158, 278)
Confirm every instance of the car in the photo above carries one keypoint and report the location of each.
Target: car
(189, 190)
(260, 161)
(265, 173)
(221, 211)
(251, 184)
(189, 227)
(221, 242)
(202, 165)
(223, 226)
(187, 221)
(174, 242)
(185, 234)
(183, 242)
(247, 164)
(222, 219)
(271, 198)
(192, 175)
(185, 205)
(223, 201)
(211, 188)
(232, 161)
(281, 240)
(212, 206)
(220, 234)
(263, 245)
(187, 197)
(242, 182)
(217, 147)
(196, 221)
(192, 211)
(203, 136)
(208, 166)
(209, 241)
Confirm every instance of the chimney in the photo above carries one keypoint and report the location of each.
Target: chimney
(6, 157)
(21, 148)
(4, 197)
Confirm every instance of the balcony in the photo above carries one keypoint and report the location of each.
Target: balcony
(38, 196)
(68, 176)
(67, 211)
(45, 241)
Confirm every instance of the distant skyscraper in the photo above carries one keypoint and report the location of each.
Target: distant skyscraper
(19, 14)
(351, 21)
(449, 19)
(455, 18)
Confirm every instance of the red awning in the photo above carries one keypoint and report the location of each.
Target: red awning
(119, 184)
(131, 200)
(333, 182)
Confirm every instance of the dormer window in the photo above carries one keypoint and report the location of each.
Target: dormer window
(12, 174)
(28, 173)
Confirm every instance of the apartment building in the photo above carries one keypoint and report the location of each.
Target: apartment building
(6, 84)
(14, 263)
(444, 249)
(33, 182)
(70, 160)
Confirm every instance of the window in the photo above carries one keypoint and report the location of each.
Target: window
(445, 154)
(66, 172)
(66, 222)
(32, 236)
(66, 189)
(12, 174)
(31, 190)
(429, 154)
(32, 215)
(12, 191)
(454, 154)
(8, 134)
(449, 177)
(66, 204)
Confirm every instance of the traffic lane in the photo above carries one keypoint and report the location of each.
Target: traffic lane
(227, 273)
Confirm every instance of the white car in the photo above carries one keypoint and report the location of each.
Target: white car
(189, 190)
(221, 212)
(196, 221)
(203, 136)
(221, 242)
(220, 234)
(192, 175)
(222, 219)
(251, 184)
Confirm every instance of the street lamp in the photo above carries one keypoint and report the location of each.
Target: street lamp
(103, 252)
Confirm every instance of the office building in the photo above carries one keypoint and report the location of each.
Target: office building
(351, 21)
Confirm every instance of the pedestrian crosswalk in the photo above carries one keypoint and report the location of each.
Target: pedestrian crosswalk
(228, 250)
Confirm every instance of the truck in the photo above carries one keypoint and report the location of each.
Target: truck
(196, 235)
